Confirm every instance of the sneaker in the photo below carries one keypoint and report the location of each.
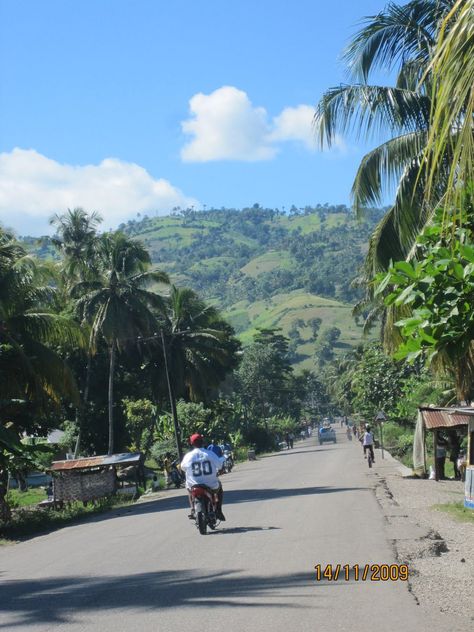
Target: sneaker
(191, 516)
(220, 516)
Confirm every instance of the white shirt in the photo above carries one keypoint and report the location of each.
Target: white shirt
(368, 439)
(201, 467)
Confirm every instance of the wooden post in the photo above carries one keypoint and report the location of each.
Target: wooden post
(435, 445)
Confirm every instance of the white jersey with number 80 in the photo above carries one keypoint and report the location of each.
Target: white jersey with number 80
(201, 467)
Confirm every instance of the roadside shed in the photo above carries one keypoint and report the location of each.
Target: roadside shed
(435, 420)
(469, 482)
(92, 477)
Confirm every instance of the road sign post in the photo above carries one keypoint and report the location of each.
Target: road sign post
(381, 418)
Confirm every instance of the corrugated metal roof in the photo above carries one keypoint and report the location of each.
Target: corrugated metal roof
(434, 418)
(126, 458)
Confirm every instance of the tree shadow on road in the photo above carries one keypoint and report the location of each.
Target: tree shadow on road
(294, 451)
(233, 496)
(64, 599)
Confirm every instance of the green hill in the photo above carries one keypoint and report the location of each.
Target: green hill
(264, 268)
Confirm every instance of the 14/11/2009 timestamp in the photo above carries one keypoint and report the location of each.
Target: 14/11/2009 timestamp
(362, 572)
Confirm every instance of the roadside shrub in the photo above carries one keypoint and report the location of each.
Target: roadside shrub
(396, 439)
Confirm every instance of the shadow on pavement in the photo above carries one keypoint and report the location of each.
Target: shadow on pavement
(231, 497)
(320, 448)
(64, 599)
(224, 531)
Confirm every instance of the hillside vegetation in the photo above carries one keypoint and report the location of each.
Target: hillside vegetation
(265, 268)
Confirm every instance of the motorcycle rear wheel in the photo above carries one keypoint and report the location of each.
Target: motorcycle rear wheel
(201, 522)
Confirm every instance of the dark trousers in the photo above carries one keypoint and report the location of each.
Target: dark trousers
(371, 448)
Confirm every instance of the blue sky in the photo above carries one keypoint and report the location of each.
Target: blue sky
(123, 106)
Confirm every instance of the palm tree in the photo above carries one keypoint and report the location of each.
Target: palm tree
(118, 305)
(34, 379)
(76, 240)
(200, 345)
(451, 124)
(30, 329)
(401, 38)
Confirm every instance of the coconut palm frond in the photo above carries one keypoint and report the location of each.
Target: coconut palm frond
(383, 167)
(452, 68)
(393, 36)
(367, 110)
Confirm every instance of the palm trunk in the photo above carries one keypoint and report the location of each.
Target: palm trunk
(80, 412)
(5, 511)
(111, 398)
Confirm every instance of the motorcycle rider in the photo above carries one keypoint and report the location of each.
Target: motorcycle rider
(201, 467)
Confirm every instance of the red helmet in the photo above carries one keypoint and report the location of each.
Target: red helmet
(196, 438)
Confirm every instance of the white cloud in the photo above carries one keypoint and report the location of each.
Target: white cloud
(33, 187)
(224, 125)
(295, 124)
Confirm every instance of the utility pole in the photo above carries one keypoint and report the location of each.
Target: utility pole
(172, 401)
(381, 418)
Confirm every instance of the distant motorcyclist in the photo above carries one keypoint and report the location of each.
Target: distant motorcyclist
(201, 467)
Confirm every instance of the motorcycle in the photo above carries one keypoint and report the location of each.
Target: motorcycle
(204, 507)
(228, 461)
(177, 476)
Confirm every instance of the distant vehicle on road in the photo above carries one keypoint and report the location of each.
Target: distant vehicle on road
(327, 435)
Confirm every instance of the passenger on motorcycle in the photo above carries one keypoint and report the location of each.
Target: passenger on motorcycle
(201, 467)
(215, 447)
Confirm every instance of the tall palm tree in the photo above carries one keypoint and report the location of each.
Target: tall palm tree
(34, 379)
(400, 38)
(77, 240)
(118, 306)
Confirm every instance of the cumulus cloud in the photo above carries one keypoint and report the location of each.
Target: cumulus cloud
(33, 187)
(295, 124)
(225, 125)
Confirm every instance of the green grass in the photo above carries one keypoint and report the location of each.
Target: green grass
(457, 511)
(281, 310)
(272, 260)
(28, 522)
(24, 499)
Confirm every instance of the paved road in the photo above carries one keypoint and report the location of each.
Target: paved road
(147, 568)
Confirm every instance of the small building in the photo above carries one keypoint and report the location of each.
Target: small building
(435, 420)
(469, 482)
(93, 477)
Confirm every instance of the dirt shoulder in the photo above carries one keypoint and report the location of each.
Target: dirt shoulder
(438, 549)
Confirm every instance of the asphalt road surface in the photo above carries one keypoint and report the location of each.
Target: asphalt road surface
(148, 568)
